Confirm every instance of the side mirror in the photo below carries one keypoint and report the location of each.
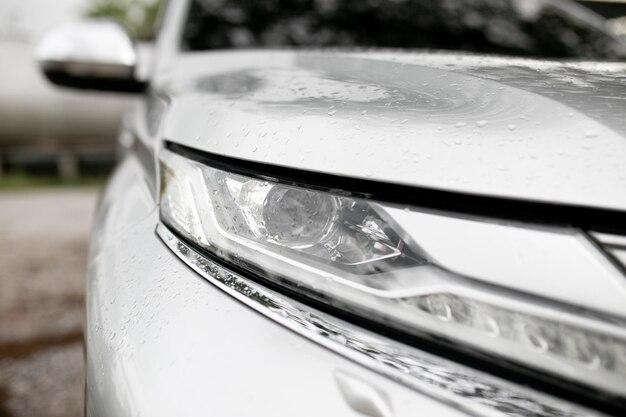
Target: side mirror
(91, 55)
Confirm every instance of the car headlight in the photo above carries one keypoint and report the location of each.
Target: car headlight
(364, 257)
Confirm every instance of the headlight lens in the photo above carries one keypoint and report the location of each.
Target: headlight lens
(326, 235)
(355, 255)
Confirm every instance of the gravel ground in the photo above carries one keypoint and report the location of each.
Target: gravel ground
(43, 253)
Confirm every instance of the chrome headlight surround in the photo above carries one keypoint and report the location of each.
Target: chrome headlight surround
(355, 256)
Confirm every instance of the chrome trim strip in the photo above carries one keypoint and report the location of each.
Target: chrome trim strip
(469, 390)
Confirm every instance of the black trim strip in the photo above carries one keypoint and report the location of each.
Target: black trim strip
(586, 218)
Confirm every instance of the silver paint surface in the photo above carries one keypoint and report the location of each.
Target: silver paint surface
(417, 123)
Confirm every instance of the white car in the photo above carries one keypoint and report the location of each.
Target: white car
(379, 232)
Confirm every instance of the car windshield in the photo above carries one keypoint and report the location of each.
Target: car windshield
(540, 28)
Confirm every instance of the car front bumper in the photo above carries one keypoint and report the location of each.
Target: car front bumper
(171, 333)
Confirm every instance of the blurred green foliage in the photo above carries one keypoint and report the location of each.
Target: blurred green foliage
(23, 181)
(137, 16)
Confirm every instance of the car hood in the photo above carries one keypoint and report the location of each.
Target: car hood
(522, 129)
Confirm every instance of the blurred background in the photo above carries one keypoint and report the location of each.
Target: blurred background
(50, 132)
(57, 146)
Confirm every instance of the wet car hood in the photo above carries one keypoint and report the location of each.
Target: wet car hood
(521, 129)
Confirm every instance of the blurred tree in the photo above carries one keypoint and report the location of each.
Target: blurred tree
(137, 16)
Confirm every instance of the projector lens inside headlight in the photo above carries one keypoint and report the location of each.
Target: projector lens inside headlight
(355, 254)
(286, 216)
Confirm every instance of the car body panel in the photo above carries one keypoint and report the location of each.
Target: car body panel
(399, 122)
